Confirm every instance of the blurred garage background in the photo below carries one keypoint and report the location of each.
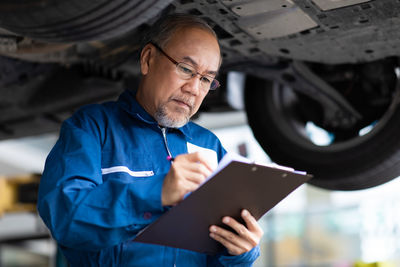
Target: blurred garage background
(311, 227)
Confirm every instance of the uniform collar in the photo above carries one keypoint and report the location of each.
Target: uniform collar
(128, 102)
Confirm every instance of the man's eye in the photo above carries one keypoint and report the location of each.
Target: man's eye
(206, 80)
(185, 70)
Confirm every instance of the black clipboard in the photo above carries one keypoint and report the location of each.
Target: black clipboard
(239, 185)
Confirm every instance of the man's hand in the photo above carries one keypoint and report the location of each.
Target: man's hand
(245, 238)
(187, 172)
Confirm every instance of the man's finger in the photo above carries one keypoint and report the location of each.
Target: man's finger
(189, 186)
(193, 175)
(238, 227)
(251, 223)
(232, 249)
(200, 157)
(241, 230)
(230, 237)
(192, 159)
(199, 168)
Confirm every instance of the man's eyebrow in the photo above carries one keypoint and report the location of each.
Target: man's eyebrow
(194, 63)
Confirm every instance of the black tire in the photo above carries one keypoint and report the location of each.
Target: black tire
(359, 163)
(76, 20)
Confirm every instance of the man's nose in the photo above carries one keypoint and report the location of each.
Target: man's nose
(192, 85)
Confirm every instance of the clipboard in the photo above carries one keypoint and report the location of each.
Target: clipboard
(237, 185)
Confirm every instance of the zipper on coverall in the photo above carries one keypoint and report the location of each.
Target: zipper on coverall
(164, 134)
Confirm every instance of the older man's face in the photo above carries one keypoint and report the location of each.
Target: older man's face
(170, 99)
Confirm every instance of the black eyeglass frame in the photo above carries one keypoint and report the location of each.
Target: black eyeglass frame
(176, 63)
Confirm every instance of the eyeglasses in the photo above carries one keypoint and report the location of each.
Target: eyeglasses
(187, 72)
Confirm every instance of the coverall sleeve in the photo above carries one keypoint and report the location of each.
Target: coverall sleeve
(80, 209)
(225, 260)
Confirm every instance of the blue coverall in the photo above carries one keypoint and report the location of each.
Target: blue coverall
(102, 184)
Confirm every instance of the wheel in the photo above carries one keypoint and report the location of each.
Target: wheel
(352, 158)
(76, 20)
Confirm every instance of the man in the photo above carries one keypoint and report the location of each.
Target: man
(110, 174)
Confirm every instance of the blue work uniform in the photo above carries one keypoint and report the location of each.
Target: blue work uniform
(102, 184)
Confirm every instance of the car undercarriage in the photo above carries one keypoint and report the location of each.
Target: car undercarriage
(331, 64)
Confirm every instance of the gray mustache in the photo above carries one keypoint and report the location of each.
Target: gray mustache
(187, 101)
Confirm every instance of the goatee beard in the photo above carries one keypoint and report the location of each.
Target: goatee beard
(163, 119)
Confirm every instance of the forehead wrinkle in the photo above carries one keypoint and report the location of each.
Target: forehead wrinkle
(194, 63)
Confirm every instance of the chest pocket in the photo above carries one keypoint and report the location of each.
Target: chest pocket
(134, 165)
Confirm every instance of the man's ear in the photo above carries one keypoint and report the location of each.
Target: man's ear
(145, 57)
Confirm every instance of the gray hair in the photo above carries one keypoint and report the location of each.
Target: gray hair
(163, 29)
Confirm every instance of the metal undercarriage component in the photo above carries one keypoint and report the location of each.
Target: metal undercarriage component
(325, 31)
(322, 31)
(333, 63)
(353, 32)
